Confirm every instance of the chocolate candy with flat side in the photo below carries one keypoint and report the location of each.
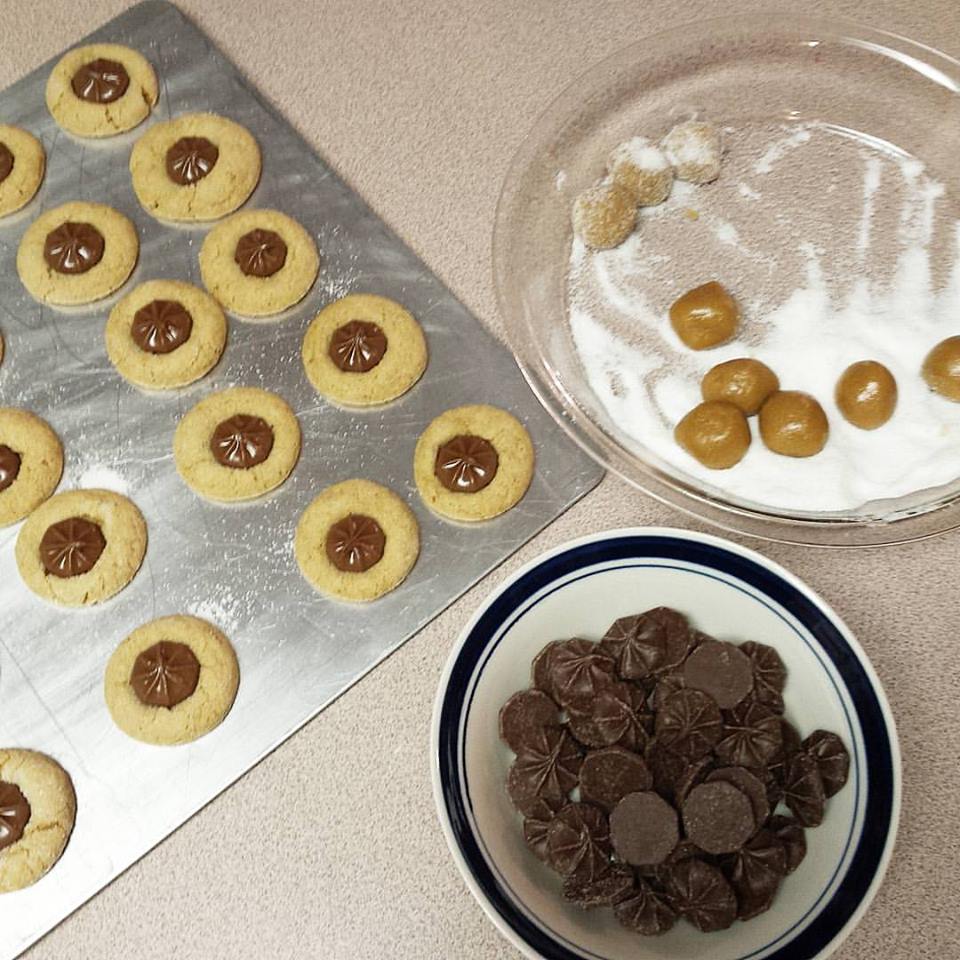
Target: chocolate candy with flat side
(749, 784)
(524, 716)
(689, 724)
(721, 670)
(667, 768)
(643, 828)
(645, 910)
(700, 892)
(832, 759)
(608, 775)
(718, 817)
(617, 883)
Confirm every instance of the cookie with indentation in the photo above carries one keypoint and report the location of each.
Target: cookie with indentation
(357, 541)
(237, 444)
(31, 462)
(197, 166)
(363, 350)
(165, 334)
(77, 253)
(172, 680)
(40, 808)
(22, 163)
(473, 462)
(101, 89)
(81, 547)
(258, 262)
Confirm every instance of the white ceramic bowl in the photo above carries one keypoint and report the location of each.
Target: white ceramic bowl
(730, 592)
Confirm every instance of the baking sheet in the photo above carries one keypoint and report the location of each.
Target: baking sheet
(231, 564)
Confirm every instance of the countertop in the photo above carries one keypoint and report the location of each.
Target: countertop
(331, 847)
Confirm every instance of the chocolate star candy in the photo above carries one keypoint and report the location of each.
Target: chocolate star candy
(644, 828)
(611, 719)
(73, 247)
(357, 346)
(666, 686)
(755, 872)
(6, 162)
(241, 441)
(71, 547)
(695, 773)
(14, 814)
(540, 668)
(794, 840)
(524, 716)
(718, 817)
(537, 822)
(161, 326)
(751, 736)
(721, 670)
(466, 463)
(832, 759)
(578, 842)
(100, 81)
(165, 674)
(803, 790)
(689, 724)
(608, 775)
(645, 910)
(613, 885)
(751, 785)
(648, 643)
(700, 892)
(190, 159)
(355, 543)
(546, 769)
(667, 768)
(769, 674)
(10, 462)
(260, 253)
(777, 770)
(578, 673)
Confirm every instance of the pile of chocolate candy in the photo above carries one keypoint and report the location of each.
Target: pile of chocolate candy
(650, 767)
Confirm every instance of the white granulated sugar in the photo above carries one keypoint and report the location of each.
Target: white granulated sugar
(560, 180)
(641, 153)
(101, 477)
(221, 612)
(824, 278)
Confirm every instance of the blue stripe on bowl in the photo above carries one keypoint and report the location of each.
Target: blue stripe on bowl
(878, 761)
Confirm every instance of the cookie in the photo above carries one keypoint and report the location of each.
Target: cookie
(171, 681)
(363, 350)
(101, 90)
(258, 262)
(237, 444)
(22, 162)
(38, 810)
(81, 547)
(31, 462)
(165, 334)
(357, 541)
(198, 166)
(77, 253)
(473, 463)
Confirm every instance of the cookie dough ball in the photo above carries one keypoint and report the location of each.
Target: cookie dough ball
(743, 382)
(604, 215)
(716, 433)
(357, 541)
(101, 90)
(941, 368)
(31, 462)
(81, 547)
(705, 316)
(39, 807)
(866, 394)
(259, 262)
(165, 334)
(237, 444)
(172, 680)
(363, 350)
(473, 463)
(22, 162)
(77, 253)
(792, 423)
(643, 168)
(198, 166)
(695, 150)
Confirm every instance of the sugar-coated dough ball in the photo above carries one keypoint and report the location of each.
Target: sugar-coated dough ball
(604, 215)
(695, 150)
(643, 168)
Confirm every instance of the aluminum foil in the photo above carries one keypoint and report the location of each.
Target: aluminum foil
(231, 564)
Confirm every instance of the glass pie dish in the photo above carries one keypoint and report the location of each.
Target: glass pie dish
(873, 86)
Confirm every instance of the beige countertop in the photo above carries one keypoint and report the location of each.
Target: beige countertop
(331, 847)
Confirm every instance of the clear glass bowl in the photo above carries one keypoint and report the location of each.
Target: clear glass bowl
(732, 69)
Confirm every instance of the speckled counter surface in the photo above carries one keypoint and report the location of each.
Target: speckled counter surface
(330, 847)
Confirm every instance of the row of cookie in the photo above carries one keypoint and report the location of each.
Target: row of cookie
(171, 681)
